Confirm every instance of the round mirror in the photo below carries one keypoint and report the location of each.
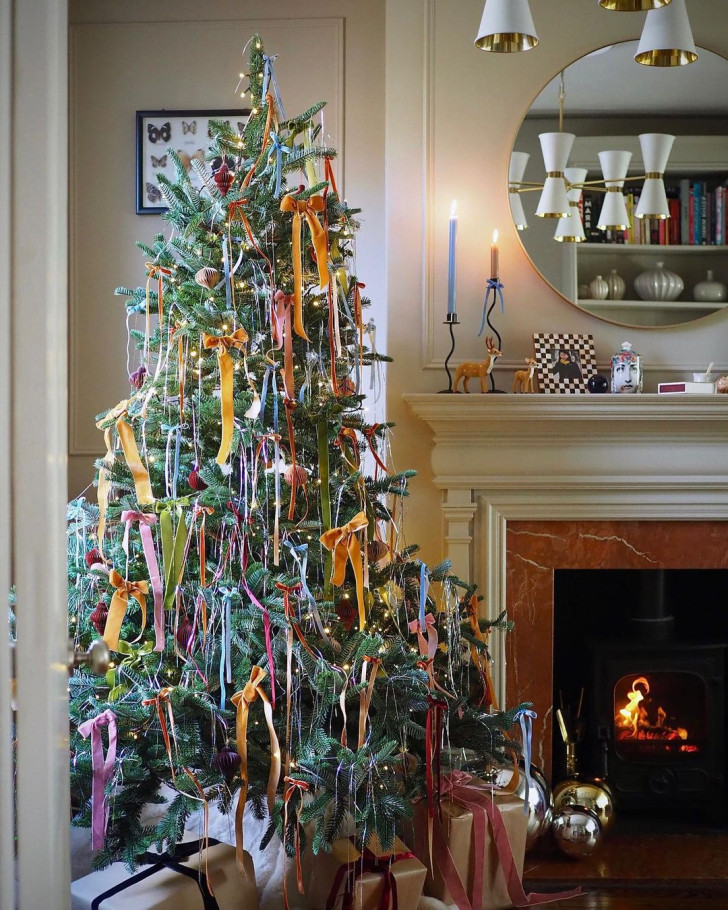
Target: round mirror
(659, 271)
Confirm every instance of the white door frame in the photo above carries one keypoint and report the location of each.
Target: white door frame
(33, 369)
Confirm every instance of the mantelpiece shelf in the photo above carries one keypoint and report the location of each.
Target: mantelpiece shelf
(624, 249)
(604, 307)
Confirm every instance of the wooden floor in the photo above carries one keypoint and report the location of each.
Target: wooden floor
(626, 899)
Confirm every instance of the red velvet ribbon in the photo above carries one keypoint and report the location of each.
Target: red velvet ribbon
(348, 873)
(293, 786)
(369, 433)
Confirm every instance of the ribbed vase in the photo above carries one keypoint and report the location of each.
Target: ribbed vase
(616, 285)
(598, 288)
(658, 284)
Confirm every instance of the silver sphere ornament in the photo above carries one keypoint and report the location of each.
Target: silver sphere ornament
(540, 807)
(591, 792)
(577, 831)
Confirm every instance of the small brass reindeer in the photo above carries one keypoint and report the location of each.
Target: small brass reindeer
(481, 369)
(523, 379)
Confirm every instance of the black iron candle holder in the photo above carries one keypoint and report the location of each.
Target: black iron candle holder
(496, 287)
(450, 320)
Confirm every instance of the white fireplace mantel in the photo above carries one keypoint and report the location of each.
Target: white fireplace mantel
(557, 457)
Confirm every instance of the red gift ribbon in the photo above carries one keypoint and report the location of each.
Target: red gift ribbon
(348, 873)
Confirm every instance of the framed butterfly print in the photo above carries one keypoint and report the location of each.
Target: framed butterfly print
(187, 132)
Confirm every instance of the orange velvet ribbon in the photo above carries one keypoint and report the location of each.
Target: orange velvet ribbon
(290, 616)
(140, 474)
(242, 701)
(481, 660)
(270, 101)
(308, 209)
(293, 786)
(155, 271)
(204, 511)
(329, 175)
(119, 604)
(282, 327)
(428, 666)
(223, 343)
(365, 696)
(348, 434)
(163, 696)
(344, 543)
(236, 210)
(370, 434)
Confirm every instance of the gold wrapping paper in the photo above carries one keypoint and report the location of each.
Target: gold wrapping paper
(457, 824)
(170, 890)
(368, 888)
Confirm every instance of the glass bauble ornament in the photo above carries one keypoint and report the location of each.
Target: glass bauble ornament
(540, 800)
(710, 290)
(597, 384)
(658, 284)
(590, 792)
(226, 762)
(616, 285)
(577, 831)
(598, 288)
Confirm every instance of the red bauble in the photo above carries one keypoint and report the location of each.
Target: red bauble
(347, 387)
(98, 617)
(227, 761)
(137, 377)
(93, 557)
(195, 481)
(347, 612)
(184, 633)
(376, 550)
(223, 178)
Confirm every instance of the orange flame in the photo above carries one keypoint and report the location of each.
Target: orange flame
(633, 719)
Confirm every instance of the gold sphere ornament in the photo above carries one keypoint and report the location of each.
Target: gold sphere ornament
(577, 831)
(207, 277)
(592, 793)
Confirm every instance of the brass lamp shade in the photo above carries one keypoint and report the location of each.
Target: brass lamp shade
(506, 27)
(632, 6)
(667, 39)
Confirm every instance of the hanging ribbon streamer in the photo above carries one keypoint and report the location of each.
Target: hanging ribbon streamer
(291, 616)
(119, 604)
(342, 889)
(163, 697)
(181, 369)
(223, 343)
(427, 647)
(300, 554)
(526, 719)
(279, 150)
(293, 786)
(370, 435)
(433, 745)
(375, 377)
(225, 642)
(365, 696)
(173, 432)
(242, 701)
(308, 209)
(329, 175)
(309, 164)
(229, 289)
(269, 79)
(236, 211)
(268, 642)
(344, 543)
(481, 658)
(150, 554)
(282, 335)
(204, 511)
(289, 407)
(266, 137)
(174, 541)
(102, 769)
(497, 287)
(424, 588)
(322, 438)
(154, 271)
(134, 463)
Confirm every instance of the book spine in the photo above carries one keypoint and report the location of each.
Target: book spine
(684, 211)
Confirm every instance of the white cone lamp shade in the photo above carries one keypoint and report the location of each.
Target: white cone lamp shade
(516, 170)
(555, 148)
(571, 228)
(656, 148)
(667, 39)
(632, 6)
(506, 27)
(614, 211)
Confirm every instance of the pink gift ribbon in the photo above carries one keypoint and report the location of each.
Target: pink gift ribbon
(268, 644)
(102, 771)
(429, 647)
(145, 529)
(478, 798)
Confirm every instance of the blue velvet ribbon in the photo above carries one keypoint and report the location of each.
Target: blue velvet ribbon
(225, 642)
(497, 287)
(424, 586)
(172, 430)
(300, 554)
(269, 78)
(526, 719)
(280, 150)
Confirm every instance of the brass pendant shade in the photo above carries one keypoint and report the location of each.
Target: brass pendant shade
(506, 27)
(667, 39)
(632, 6)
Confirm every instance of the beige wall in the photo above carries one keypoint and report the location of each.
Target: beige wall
(453, 113)
(152, 54)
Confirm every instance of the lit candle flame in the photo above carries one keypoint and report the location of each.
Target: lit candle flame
(454, 209)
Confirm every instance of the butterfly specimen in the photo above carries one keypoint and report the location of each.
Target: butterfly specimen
(190, 127)
(216, 163)
(159, 162)
(153, 193)
(159, 133)
(187, 159)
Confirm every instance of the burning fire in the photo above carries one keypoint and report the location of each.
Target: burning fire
(634, 722)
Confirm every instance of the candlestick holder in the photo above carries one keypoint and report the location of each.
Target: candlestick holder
(496, 287)
(451, 320)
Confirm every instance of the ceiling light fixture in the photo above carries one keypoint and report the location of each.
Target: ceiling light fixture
(506, 27)
(667, 39)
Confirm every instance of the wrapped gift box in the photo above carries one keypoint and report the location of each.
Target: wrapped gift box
(344, 867)
(167, 888)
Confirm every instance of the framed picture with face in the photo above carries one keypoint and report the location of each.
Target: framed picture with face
(564, 362)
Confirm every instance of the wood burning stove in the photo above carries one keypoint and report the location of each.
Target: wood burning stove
(658, 711)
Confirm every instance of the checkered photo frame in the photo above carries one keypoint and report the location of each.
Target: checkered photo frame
(546, 352)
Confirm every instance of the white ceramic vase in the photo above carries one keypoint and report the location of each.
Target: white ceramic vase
(710, 290)
(616, 285)
(658, 284)
(598, 288)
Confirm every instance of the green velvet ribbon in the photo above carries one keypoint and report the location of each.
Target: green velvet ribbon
(174, 541)
(322, 434)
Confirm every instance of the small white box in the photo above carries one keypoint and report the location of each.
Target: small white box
(686, 388)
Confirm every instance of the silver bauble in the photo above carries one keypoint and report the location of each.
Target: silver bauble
(577, 831)
(591, 792)
(540, 802)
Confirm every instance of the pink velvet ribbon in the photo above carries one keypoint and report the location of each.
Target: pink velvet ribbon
(428, 647)
(268, 643)
(102, 769)
(145, 529)
(478, 798)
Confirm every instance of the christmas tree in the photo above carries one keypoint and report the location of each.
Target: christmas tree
(271, 636)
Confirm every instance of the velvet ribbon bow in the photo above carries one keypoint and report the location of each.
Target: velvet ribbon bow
(224, 343)
(119, 604)
(344, 543)
(369, 862)
(146, 520)
(306, 209)
(427, 647)
(102, 769)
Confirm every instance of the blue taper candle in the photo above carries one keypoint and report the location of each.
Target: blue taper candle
(452, 250)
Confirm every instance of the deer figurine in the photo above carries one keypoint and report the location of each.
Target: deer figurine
(523, 379)
(481, 369)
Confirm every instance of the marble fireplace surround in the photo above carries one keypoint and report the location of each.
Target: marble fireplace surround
(534, 483)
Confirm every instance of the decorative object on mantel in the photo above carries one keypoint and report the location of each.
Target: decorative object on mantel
(480, 368)
(710, 290)
(598, 384)
(523, 379)
(598, 288)
(451, 319)
(700, 385)
(564, 362)
(721, 385)
(658, 284)
(616, 284)
(626, 371)
(493, 284)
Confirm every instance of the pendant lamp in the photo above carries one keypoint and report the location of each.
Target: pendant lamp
(555, 148)
(656, 148)
(667, 39)
(614, 210)
(506, 27)
(516, 170)
(632, 6)
(571, 228)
